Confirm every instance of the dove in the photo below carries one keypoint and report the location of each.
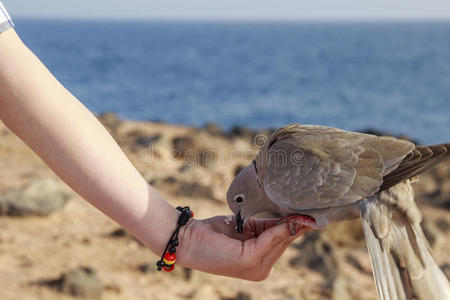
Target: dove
(327, 175)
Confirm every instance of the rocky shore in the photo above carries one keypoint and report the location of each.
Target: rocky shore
(55, 245)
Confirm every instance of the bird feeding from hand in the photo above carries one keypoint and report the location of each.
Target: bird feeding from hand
(331, 175)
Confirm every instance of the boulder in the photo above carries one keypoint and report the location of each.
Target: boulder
(41, 197)
(78, 282)
(81, 282)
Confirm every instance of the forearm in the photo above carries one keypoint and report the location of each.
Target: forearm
(37, 108)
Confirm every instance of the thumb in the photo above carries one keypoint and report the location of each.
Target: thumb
(267, 240)
(274, 254)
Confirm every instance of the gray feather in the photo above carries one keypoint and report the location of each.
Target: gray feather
(316, 167)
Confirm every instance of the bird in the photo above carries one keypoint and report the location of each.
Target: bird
(326, 174)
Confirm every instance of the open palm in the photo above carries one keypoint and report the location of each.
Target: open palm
(213, 246)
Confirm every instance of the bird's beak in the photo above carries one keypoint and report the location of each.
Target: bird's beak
(239, 222)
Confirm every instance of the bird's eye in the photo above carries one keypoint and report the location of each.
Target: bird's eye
(239, 198)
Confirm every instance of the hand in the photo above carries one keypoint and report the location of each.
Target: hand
(213, 246)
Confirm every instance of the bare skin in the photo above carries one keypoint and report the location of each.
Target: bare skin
(68, 137)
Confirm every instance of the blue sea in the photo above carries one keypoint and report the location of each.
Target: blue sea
(390, 76)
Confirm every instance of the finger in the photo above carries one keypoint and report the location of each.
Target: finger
(258, 226)
(274, 235)
(273, 255)
(270, 238)
(227, 225)
(253, 227)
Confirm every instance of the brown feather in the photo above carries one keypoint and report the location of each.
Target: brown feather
(421, 159)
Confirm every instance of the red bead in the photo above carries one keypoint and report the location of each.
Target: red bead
(169, 258)
(192, 214)
(169, 268)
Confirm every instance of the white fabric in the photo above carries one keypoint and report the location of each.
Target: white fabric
(4, 16)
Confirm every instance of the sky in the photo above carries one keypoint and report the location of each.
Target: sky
(275, 10)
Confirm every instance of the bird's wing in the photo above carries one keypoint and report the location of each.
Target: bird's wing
(417, 161)
(401, 261)
(314, 167)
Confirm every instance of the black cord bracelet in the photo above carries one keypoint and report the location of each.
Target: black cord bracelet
(168, 258)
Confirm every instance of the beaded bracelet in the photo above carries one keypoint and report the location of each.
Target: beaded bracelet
(168, 258)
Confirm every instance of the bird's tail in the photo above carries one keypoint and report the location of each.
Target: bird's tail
(402, 264)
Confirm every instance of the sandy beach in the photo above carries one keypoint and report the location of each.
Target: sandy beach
(188, 166)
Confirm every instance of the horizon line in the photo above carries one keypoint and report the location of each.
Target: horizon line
(237, 20)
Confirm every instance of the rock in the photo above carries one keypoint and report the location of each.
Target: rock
(240, 296)
(170, 180)
(148, 140)
(318, 254)
(182, 146)
(242, 132)
(384, 133)
(147, 268)
(208, 158)
(120, 232)
(137, 139)
(195, 190)
(443, 224)
(188, 273)
(195, 152)
(213, 129)
(82, 282)
(183, 188)
(257, 137)
(195, 278)
(41, 197)
(79, 282)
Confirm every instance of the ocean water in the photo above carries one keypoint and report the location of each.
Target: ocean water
(389, 76)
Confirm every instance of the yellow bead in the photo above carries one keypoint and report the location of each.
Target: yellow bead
(169, 262)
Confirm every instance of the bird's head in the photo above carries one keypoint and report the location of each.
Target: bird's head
(244, 194)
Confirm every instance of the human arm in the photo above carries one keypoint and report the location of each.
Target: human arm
(62, 131)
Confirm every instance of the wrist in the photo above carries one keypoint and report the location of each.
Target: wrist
(184, 253)
(169, 255)
(156, 224)
(165, 227)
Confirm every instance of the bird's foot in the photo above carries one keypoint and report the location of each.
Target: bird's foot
(297, 222)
